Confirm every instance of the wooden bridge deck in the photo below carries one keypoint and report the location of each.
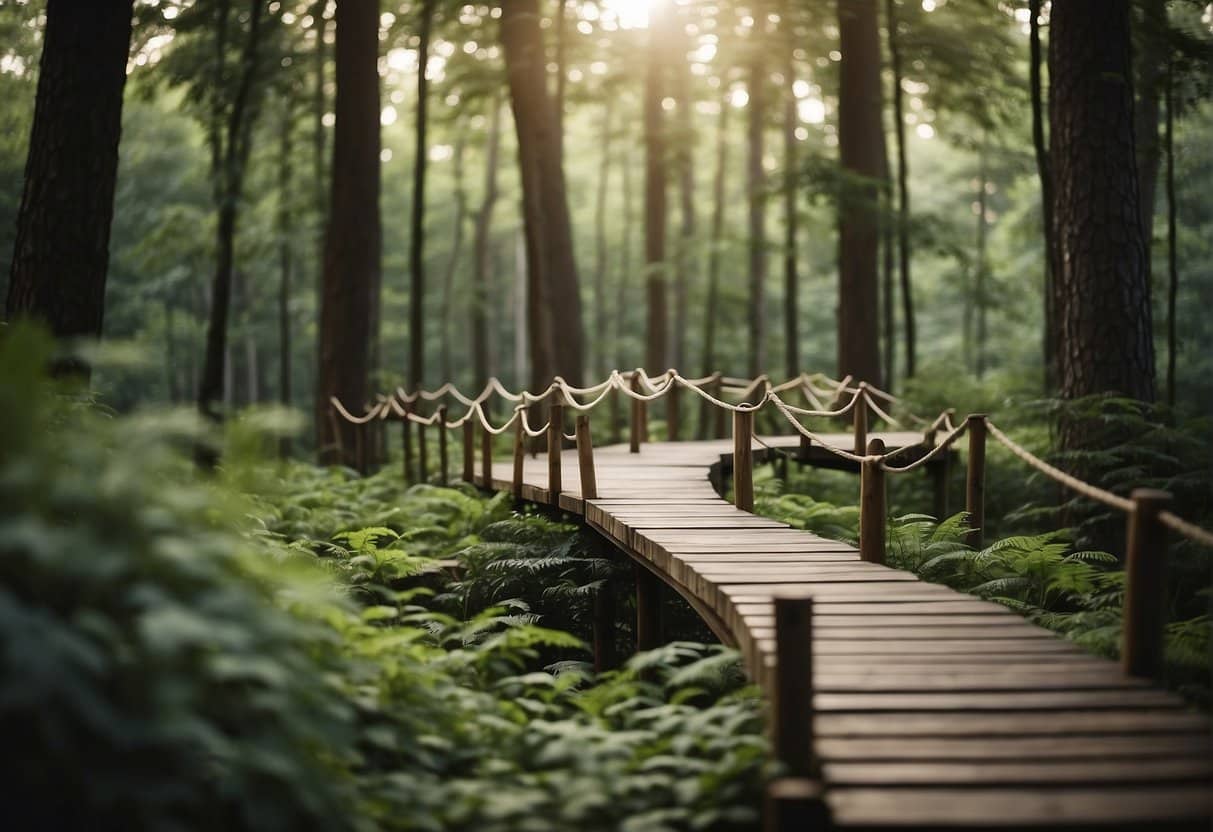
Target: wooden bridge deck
(933, 709)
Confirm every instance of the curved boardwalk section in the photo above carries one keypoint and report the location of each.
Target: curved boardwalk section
(931, 708)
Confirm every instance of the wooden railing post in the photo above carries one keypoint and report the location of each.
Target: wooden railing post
(519, 457)
(648, 609)
(718, 392)
(795, 804)
(613, 416)
(486, 457)
(975, 481)
(423, 471)
(360, 447)
(585, 458)
(335, 426)
(793, 687)
(406, 439)
(444, 465)
(802, 453)
(469, 450)
(555, 439)
(604, 627)
(743, 460)
(859, 416)
(873, 512)
(938, 472)
(638, 417)
(673, 421)
(1145, 610)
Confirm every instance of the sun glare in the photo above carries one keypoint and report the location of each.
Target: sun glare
(628, 14)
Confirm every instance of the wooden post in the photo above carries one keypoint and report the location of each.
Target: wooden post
(873, 514)
(555, 440)
(519, 457)
(604, 627)
(859, 415)
(743, 460)
(648, 609)
(1145, 610)
(444, 465)
(585, 458)
(613, 415)
(360, 447)
(406, 436)
(673, 414)
(335, 426)
(718, 392)
(423, 471)
(793, 688)
(975, 482)
(469, 450)
(486, 458)
(638, 417)
(795, 804)
(803, 451)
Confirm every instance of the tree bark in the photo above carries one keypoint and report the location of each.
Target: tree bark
(1106, 340)
(599, 361)
(352, 244)
(230, 151)
(903, 197)
(712, 310)
(562, 74)
(448, 279)
(417, 233)
(861, 154)
(1172, 238)
(655, 210)
(286, 264)
(554, 301)
(482, 251)
(625, 261)
(1049, 328)
(686, 258)
(791, 278)
(756, 186)
(979, 283)
(61, 249)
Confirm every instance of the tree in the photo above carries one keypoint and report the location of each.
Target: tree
(655, 203)
(229, 130)
(903, 194)
(791, 280)
(861, 152)
(1046, 194)
(286, 258)
(61, 250)
(417, 231)
(481, 251)
(553, 299)
(756, 185)
(352, 242)
(1106, 337)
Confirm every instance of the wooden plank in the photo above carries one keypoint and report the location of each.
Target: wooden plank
(1137, 747)
(998, 726)
(1013, 773)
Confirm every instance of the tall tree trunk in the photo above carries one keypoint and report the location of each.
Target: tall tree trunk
(655, 211)
(687, 261)
(482, 251)
(756, 186)
(1152, 69)
(1106, 331)
(1049, 329)
(888, 238)
(61, 249)
(417, 233)
(599, 361)
(712, 310)
(448, 279)
(230, 148)
(1172, 253)
(170, 350)
(791, 221)
(352, 246)
(522, 338)
(861, 152)
(562, 73)
(903, 196)
(979, 284)
(625, 261)
(286, 264)
(554, 299)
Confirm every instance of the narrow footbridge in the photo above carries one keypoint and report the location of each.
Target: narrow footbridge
(896, 703)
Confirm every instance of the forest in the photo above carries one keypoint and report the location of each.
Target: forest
(272, 269)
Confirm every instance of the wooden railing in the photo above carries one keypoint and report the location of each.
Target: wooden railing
(794, 799)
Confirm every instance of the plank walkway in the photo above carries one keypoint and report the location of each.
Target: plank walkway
(934, 709)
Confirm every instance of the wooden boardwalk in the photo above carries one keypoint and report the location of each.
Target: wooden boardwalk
(932, 708)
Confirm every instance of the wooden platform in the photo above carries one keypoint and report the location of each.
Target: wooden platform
(935, 709)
